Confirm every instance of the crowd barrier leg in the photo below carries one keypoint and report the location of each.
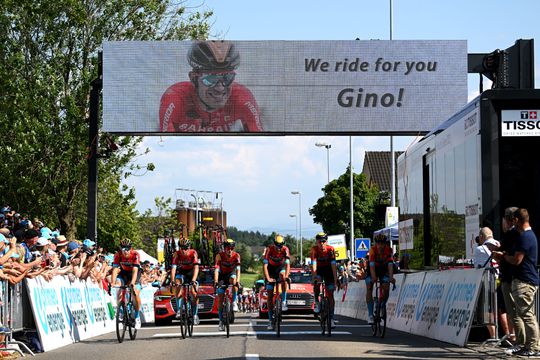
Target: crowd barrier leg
(6, 319)
(492, 291)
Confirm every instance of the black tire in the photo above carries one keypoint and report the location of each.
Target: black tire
(322, 316)
(121, 325)
(375, 325)
(382, 328)
(183, 320)
(328, 322)
(277, 315)
(190, 320)
(227, 317)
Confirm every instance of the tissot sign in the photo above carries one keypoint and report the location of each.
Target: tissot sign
(282, 87)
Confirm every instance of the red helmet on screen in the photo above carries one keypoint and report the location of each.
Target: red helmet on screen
(213, 55)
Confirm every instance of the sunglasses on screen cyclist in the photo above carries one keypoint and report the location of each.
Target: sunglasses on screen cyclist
(211, 80)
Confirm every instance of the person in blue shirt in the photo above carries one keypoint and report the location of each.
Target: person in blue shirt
(525, 282)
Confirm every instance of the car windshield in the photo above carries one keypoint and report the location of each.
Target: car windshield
(300, 277)
(206, 276)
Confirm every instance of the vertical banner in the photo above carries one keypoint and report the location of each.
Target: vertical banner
(406, 234)
(339, 245)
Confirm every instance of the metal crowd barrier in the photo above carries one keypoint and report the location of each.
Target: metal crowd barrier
(11, 316)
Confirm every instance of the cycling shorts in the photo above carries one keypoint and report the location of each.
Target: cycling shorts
(326, 274)
(185, 276)
(385, 279)
(126, 276)
(273, 272)
(225, 279)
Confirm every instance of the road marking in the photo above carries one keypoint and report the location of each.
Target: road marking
(196, 326)
(252, 356)
(249, 333)
(316, 325)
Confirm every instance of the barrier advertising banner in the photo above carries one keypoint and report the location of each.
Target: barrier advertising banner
(67, 312)
(282, 87)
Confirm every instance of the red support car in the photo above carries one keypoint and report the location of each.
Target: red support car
(299, 297)
(165, 304)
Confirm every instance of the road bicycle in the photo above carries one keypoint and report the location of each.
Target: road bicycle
(125, 314)
(228, 313)
(187, 310)
(277, 317)
(325, 313)
(378, 327)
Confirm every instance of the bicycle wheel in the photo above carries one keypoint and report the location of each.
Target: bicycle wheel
(190, 321)
(121, 322)
(328, 317)
(131, 321)
(322, 315)
(277, 316)
(227, 316)
(183, 319)
(382, 328)
(375, 325)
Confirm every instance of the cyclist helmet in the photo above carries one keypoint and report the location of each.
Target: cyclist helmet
(381, 238)
(230, 243)
(279, 241)
(184, 243)
(125, 243)
(213, 55)
(322, 237)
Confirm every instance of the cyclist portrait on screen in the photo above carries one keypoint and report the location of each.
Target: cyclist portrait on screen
(211, 101)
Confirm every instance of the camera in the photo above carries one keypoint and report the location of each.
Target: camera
(89, 252)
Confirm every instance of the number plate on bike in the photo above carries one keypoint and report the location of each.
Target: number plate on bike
(296, 302)
(200, 306)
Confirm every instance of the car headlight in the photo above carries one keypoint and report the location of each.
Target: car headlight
(161, 297)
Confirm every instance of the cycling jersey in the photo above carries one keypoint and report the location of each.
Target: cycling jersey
(380, 259)
(181, 111)
(185, 262)
(323, 257)
(127, 263)
(227, 263)
(276, 257)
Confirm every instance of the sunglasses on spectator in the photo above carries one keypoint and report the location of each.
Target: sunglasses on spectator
(211, 80)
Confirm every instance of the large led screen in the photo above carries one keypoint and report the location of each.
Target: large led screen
(282, 87)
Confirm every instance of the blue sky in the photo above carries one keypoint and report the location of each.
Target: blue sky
(257, 174)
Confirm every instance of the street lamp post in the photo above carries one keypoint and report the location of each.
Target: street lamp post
(295, 230)
(327, 146)
(300, 221)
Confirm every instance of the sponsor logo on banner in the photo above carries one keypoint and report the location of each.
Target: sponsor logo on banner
(520, 123)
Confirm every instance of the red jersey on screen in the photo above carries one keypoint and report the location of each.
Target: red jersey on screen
(275, 256)
(380, 258)
(185, 261)
(180, 111)
(323, 256)
(127, 263)
(227, 263)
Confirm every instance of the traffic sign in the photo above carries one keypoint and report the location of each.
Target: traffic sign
(362, 246)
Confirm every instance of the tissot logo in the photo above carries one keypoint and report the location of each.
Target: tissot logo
(529, 114)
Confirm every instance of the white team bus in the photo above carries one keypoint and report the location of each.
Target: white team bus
(463, 174)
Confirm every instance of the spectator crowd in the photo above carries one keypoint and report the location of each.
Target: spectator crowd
(28, 248)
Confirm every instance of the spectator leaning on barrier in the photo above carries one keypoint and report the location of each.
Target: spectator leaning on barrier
(524, 285)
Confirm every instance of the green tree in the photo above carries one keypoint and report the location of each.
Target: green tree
(48, 57)
(332, 210)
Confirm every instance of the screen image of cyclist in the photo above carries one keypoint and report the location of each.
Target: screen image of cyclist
(211, 101)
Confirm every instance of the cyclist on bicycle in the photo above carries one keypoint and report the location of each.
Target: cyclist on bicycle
(228, 272)
(185, 268)
(381, 267)
(127, 271)
(276, 265)
(323, 263)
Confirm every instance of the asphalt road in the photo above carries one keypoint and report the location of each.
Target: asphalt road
(300, 339)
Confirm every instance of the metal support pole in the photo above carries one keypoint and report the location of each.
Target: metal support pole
(352, 198)
(328, 162)
(93, 142)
